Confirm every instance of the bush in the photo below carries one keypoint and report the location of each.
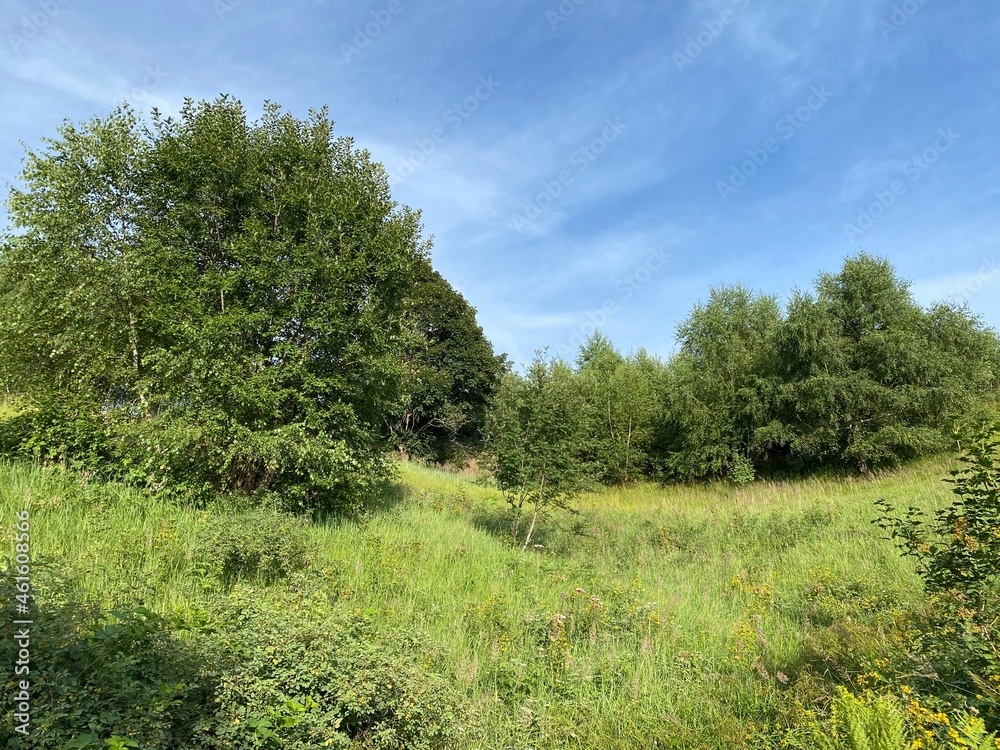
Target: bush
(64, 433)
(251, 678)
(741, 471)
(958, 558)
(97, 674)
(258, 545)
(324, 679)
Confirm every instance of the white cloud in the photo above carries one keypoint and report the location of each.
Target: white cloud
(866, 176)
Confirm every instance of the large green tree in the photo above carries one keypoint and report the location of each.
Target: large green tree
(720, 387)
(451, 372)
(211, 303)
(869, 377)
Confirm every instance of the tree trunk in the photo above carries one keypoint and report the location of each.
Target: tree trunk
(531, 529)
(628, 447)
(133, 335)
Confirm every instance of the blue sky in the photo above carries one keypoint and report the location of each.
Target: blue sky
(592, 162)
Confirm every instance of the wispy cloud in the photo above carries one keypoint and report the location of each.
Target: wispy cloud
(559, 82)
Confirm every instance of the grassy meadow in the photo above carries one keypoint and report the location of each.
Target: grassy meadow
(680, 616)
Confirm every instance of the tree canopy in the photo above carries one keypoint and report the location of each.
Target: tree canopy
(450, 372)
(868, 378)
(209, 303)
(204, 304)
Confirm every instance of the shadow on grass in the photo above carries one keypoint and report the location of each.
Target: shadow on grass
(557, 531)
(91, 667)
(385, 498)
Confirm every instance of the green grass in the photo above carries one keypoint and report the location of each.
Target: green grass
(656, 616)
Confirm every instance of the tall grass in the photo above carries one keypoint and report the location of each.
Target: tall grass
(656, 616)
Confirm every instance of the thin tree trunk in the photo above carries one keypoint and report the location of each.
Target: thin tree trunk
(133, 335)
(628, 447)
(534, 515)
(531, 529)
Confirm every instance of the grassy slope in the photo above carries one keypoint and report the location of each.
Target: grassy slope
(655, 614)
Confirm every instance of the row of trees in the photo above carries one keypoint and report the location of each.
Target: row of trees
(204, 304)
(854, 375)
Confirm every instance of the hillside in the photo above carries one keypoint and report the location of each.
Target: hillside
(657, 616)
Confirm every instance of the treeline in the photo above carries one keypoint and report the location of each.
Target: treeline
(851, 376)
(204, 305)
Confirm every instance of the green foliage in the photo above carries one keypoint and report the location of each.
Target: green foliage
(718, 389)
(96, 674)
(675, 617)
(258, 545)
(207, 304)
(621, 405)
(451, 372)
(315, 677)
(259, 669)
(958, 558)
(959, 550)
(868, 378)
(854, 376)
(57, 432)
(741, 471)
(879, 722)
(535, 441)
(857, 724)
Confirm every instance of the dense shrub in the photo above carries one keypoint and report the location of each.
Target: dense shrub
(323, 678)
(97, 674)
(258, 545)
(64, 433)
(258, 669)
